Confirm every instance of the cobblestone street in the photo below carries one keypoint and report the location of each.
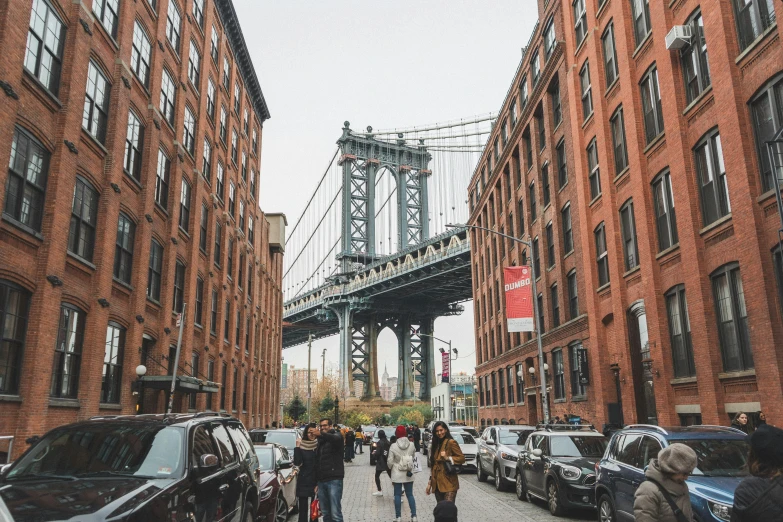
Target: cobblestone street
(476, 502)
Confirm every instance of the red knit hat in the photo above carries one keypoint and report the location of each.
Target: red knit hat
(400, 432)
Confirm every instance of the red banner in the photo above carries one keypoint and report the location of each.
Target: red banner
(446, 362)
(519, 298)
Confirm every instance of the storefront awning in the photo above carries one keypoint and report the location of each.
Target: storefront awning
(185, 384)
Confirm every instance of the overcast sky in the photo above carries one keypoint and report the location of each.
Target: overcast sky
(383, 63)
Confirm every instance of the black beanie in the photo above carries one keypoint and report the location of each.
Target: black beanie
(445, 511)
(767, 444)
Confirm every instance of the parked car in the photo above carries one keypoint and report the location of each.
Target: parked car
(722, 464)
(469, 448)
(367, 433)
(468, 429)
(388, 431)
(136, 468)
(557, 465)
(258, 435)
(497, 453)
(286, 437)
(277, 479)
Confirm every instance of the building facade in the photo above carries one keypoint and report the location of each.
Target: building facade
(643, 182)
(132, 131)
(297, 384)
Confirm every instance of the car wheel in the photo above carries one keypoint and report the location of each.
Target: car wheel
(248, 513)
(553, 498)
(499, 486)
(521, 489)
(281, 510)
(480, 473)
(605, 510)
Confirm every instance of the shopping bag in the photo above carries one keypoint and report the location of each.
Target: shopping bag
(315, 510)
(417, 468)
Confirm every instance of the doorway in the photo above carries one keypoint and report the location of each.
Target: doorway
(532, 412)
(641, 365)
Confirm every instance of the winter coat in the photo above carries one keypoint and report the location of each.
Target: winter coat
(381, 454)
(439, 479)
(649, 503)
(758, 499)
(401, 448)
(306, 480)
(329, 455)
(416, 435)
(745, 428)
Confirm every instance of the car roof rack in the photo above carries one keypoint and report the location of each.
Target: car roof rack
(550, 426)
(719, 427)
(105, 417)
(211, 414)
(650, 426)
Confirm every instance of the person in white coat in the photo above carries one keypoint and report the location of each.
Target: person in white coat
(400, 463)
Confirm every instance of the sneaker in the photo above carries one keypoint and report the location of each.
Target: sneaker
(414, 519)
(378, 494)
(397, 520)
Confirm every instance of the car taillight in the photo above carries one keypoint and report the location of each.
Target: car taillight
(596, 468)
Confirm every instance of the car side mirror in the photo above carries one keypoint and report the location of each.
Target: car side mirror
(4, 469)
(208, 462)
(536, 454)
(285, 464)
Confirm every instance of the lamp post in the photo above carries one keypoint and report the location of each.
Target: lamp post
(141, 371)
(448, 383)
(544, 395)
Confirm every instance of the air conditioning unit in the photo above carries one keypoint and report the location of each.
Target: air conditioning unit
(678, 38)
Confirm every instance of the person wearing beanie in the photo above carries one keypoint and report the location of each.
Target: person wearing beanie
(445, 511)
(381, 453)
(400, 463)
(664, 485)
(760, 496)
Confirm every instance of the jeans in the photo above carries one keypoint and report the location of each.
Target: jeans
(358, 444)
(330, 496)
(398, 498)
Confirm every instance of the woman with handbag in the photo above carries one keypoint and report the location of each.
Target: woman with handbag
(664, 496)
(304, 458)
(444, 458)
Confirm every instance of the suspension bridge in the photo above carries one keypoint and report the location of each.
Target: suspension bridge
(372, 250)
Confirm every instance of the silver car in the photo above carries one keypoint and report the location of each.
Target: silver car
(498, 450)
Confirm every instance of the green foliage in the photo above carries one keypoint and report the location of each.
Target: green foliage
(327, 403)
(411, 416)
(356, 418)
(296, 408)
(420, 414)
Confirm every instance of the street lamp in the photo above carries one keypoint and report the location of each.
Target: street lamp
(448, 383)
(544, 395)
(141, 371)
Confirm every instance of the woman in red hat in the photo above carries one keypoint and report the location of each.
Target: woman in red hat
(400, 463)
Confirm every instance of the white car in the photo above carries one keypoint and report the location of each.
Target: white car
(468, 446)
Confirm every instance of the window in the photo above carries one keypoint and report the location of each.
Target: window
(732, 319)
(523, 94)
(240, 271)
(179, 286)
(96, 103)
(547, 193)
(237, 97)
(184, 206)
(753, 18)
(550, 245)
(568, 236)
(237, 324)
(244, 166)
(123, 252)
(45, 44)
(618, 141)
(557, 109)
(250, 237)
(536, 259)
(580, 21)
(230, 261)
(680, 332)
(665, 218)
(549, 38)
(528, 150)
(214, 43)
(641, 16)
(223, 128)
(202, 239)
(134, 140)
(767, 112)
(573, 296)
(231, 200)
(218, 234)
(532, 200)
(540, 304)
(252, 183)
(112, 364)
(234, 386)
(578, 389)
(587, 91)
(162, 180)
(510, 384)
(501, 388)
(520, 383)
(173, 21)
(213, 313)
(651, 105)
(194, 360)
(255, 141)
(512, 110)
(210, 378)
(611, 70)
(695, 68)
(14, 308)
(521, 215)
(68, 353)
(246, 122)
(541, 130)
(106, 13)
(168, 96)
(84, 217)
(140, 54)
(189, 132)
(777, 257)
(223, 384)
(198, 12)
(226, 72)
(535, 68)
(249, 289)
(197, 316)
(234, 146)
(206, 165)
(562, 168)
(601, 256)
(219, 181)
(194, 65)
(554, 299)
(713, 188)
(628, 223)
(244, 394)
(559, 372)
(154, 271)
(595, 175)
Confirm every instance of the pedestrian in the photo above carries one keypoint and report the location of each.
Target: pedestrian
(305, 460)
(381, 453)
(443, 449)
(760, 496)
(408, 432)
(359, 440)
(741, 422)
(417, 438)
(330, 471)
(445, 511)
(663, 496)
(350, 439)
(400, 463)
(762, 418)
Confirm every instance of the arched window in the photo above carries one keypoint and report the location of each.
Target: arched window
(14, 307)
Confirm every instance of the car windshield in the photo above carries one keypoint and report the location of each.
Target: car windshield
(284, 438)
(575, 446)
(472, 431)
(266, 458)
(720, 457)
(369, 429)
(514, 437)
(147, 451)
(463, 438)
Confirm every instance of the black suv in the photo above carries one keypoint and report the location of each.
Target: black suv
(557, 464)
(197, 467)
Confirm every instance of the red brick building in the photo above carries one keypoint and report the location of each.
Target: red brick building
(132, 131)
(652, 163)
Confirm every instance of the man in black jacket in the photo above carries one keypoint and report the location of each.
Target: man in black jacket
(330, 471)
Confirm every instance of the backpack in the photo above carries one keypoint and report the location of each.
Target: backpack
(405, 463)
